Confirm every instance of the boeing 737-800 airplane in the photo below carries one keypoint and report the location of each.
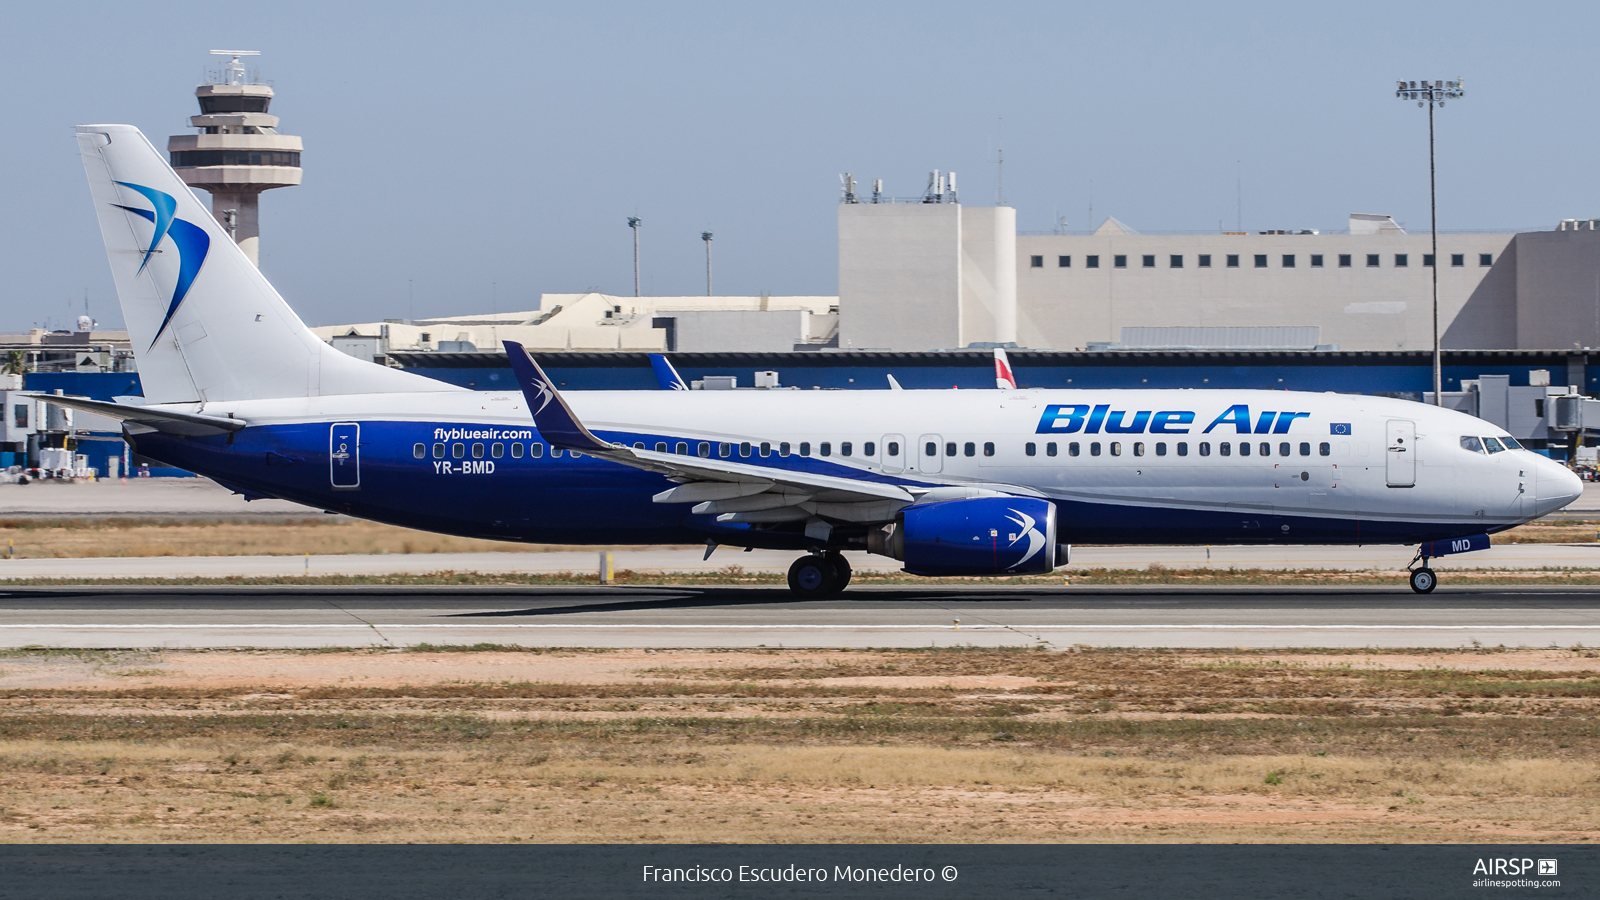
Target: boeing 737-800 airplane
(950, 482)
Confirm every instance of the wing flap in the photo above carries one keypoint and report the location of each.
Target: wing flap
(166, 421)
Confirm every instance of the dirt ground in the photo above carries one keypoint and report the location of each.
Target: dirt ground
(498, 745)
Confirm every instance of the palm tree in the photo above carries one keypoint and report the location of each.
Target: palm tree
(16, 363)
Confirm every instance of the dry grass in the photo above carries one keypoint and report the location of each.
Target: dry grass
(78, 538)
(957, 745)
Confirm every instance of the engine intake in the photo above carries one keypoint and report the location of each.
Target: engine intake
(978, 536)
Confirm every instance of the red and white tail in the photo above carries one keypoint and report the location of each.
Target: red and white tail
(1003, 377)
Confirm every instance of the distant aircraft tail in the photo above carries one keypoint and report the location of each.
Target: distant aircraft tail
(666, 376)
(205, 324)
(1004, 379)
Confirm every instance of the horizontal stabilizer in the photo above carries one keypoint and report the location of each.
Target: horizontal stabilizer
(555, 419)
(163, 420)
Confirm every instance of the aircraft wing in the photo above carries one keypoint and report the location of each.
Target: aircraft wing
(163, 420)
(734, 491)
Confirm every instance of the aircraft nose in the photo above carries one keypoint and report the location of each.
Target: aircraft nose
(1557, 486)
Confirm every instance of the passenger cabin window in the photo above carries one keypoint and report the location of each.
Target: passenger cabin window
(477, 451)
(1284, 449)
(950, 449)
(1224, 449)
(744, 448)
(1138, 448)
(1116, 448)
(683, 448)
(535, 451)
(845, 448)
(988, 448)
(1094, 449)
(930, 449)
(637, 445)
(438, 451)
(516, 451)
(971, 449)
(1030, 448)
(892, 448)
(1072, 449)
(1305, 448)
(419, 451)
(661, 446)
(805, 448)
(766, 449)
(555, 452)
(1161, 448)
(1244, 448)
(1050, 449)
(703, 448)
(724, 450)
(783, 448)
(1324, 449)
(497, 450)
(825, 448)
(1183, 448)
(458, 450)
(868, 449)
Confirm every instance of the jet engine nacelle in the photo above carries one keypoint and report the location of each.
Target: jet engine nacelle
(978, 536)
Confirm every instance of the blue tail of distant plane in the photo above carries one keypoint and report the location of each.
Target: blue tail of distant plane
(666, 376)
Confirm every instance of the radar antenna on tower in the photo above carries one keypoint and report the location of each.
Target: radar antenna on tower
(233, 72)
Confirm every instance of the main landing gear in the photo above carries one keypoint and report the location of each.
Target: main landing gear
(819, 575)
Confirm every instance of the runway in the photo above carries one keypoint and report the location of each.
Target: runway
(287, 617)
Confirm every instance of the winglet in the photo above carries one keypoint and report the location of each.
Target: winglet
(894, 385)
(666, 376)
(555, 419)
(1003, 377)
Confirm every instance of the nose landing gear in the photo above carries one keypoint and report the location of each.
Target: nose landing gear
(819, 575)
(1423, 581)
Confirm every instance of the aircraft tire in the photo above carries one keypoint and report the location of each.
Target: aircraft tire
(841, 571)
(1423, 581)
(811, 576)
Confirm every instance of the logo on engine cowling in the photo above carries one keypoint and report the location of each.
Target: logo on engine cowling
(1027, 530)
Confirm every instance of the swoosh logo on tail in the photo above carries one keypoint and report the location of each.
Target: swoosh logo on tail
(193, 244)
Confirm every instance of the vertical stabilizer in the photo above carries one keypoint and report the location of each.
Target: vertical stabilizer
(205, 324)
(1004, 378)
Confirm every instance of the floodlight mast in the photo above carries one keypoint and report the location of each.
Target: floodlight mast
(1428, 93)
(633, 222)
(706, 236)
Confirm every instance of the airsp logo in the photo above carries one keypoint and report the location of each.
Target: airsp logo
(1503, 866)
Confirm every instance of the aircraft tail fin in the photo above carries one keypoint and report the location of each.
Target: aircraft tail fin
(205, 324)
(667, 376)
(1004, 379)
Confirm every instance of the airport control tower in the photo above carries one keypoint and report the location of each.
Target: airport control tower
(238, 152)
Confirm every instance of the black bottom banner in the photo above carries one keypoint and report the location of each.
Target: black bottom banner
(921, 871)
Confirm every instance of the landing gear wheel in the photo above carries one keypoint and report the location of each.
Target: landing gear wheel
(811, 576)
(1423, 581)
(841, 570)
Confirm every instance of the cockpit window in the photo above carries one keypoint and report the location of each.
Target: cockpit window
(1471, 443)
(1492, 445)
(1511, 443)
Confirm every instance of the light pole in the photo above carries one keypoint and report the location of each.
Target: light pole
(633, 222)
(1428, 93)
(706, 236)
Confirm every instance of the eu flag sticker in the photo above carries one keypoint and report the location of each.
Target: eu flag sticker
(1339, 428)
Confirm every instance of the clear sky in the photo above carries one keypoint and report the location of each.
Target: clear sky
(475, 155)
